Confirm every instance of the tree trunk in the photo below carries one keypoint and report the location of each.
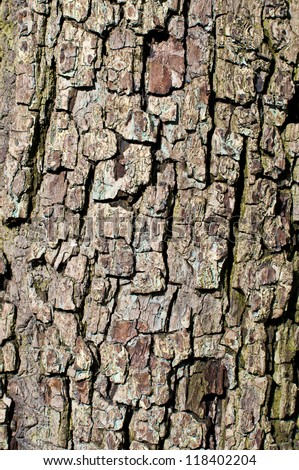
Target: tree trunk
(149, 224)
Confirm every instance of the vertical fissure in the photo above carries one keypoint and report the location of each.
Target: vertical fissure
(234, 222)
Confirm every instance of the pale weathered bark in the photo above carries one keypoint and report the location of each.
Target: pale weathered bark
(149, 224)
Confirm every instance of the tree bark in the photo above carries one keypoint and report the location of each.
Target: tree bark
(149, 268)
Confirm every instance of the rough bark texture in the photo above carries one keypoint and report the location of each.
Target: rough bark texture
(149, 179)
